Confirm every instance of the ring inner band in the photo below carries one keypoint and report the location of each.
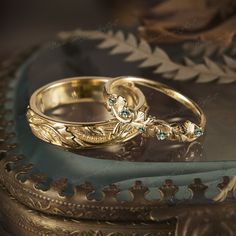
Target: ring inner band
(76, 91)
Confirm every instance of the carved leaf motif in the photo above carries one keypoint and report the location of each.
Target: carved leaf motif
(121, 130)
(120, 103)
(158, 58)
(140, 116)
(48, 133)
(96, 131)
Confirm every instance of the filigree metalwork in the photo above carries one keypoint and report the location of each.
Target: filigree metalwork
(80, 136)
(23, 221)
(148, 125)
(25, 186)
(151, 126)
(197, 220)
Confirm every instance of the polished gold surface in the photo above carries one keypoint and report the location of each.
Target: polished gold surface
(186, 131)
(80, 134)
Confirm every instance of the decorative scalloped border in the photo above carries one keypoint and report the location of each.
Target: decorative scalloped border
(23, 221)
(80, 204)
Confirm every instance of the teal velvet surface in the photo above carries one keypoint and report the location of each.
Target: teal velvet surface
(80, 168)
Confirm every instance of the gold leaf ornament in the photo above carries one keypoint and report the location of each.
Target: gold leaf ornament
(141, 51)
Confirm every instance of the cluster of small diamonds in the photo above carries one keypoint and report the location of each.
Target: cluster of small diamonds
(125, 112)
(190, 129)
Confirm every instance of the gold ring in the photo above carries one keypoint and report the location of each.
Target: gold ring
(70, 134)
(186, 131)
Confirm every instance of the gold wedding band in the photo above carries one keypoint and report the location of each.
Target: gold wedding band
(76, 135)
(123, 99)
(186, 131)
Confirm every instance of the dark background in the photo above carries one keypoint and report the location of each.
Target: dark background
(24, 23)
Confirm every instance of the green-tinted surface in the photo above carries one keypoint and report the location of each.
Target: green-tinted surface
(209, 160)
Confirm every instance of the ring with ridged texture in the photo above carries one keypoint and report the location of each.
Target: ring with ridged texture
(150, 126)
(71, 134)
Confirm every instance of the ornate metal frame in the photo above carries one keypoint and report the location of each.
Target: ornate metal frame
(80, 205)
(199, 220)
(23, 221)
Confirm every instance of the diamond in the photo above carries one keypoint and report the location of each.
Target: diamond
(141, 129)
(161, 135)
(198, 132)
(112, 100)
(125, 112)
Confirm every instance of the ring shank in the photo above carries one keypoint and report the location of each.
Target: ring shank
(72, 134)
(75, 90)
(175, 131)
(187, 102)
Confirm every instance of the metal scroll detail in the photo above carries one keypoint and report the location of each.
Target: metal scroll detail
(213, 219)
(71, 136)
(55, 134)
(23, 221)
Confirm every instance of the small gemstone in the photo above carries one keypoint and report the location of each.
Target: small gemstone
(161, 136)
(198, 132)
(125, 113)
(141, 129)
(111, 100)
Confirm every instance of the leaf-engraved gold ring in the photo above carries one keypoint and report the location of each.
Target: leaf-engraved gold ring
(71, 134)
(186, 131)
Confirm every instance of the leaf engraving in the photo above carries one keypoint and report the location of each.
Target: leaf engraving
(141, 51)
